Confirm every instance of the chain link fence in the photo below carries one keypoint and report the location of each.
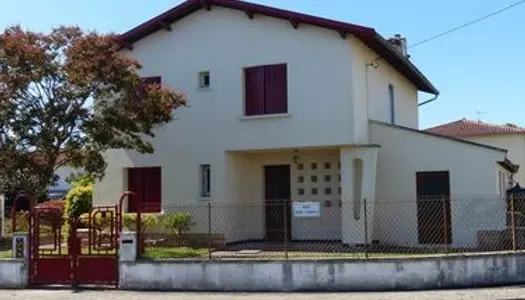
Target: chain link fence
(379, 228)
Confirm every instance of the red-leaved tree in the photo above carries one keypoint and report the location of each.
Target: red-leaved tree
(65, 98)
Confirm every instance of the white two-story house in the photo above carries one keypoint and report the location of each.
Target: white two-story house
(288, 109)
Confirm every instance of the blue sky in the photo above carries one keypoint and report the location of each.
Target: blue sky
(479, 68)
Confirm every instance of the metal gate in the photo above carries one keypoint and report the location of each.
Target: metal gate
(78, 251)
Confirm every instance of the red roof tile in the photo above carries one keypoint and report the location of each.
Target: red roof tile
(466, 128)
(367, 35)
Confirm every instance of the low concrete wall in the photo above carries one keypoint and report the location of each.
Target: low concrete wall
(324, 275)
(13, 273)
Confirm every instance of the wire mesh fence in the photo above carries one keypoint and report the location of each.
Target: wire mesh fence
(280, 229)
(378, 228)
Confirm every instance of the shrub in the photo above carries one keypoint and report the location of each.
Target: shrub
(149, 220)
(79, 200)
(22, 222)
(178, 223)
(129, 220)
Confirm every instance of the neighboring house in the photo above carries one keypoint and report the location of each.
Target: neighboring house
(509, 137)
(286, 106)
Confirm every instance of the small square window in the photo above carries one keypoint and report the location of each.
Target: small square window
(313, 178)
(327, 165)
(327, 191)
(313, 166)
(204, 79)
(300, 166)
(300, 191)
(314, 191)
(205, 178)
(327, 178)
(300, 179)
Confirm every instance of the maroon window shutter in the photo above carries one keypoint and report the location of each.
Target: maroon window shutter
(152, 189)
(135, 185)
(276, 89)
(254, 91)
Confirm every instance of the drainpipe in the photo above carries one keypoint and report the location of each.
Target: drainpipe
(429, 100)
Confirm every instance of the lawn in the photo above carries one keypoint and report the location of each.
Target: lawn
(202, 253)
(151, 253)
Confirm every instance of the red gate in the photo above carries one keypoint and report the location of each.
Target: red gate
(88, 256)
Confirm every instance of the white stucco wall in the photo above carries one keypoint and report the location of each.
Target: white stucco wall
(224, 42)
(323, 275)
(475, 204)
(372, 83)
(13, 273)
(321, 97)
(249, 199)
(515, 145)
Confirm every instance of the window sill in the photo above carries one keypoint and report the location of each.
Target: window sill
(203, 89)
(204, 199)
(271, 116)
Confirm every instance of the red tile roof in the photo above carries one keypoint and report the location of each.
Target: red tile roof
(367, 35)
(466, 128)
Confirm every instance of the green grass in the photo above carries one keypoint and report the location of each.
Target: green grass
(180, 252)
(202, 253)
(5, 254)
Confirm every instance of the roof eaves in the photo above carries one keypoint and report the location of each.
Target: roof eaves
(395, 58)
(366, 34)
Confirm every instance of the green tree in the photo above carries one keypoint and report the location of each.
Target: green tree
(49, 117)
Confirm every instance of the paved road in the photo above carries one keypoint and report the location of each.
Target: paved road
(510, 293)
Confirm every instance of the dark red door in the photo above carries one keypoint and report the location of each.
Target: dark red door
(147, 183)
(433, 208)
(277, 203)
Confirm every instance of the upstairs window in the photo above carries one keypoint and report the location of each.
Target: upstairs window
(266, 90)
(391, 103)
(204, 80)
(205, 186)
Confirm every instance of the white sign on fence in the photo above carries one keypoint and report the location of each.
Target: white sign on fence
(306, 209)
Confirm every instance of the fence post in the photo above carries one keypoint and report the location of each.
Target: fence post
(365, 208)
(285, 207)
(209, 232)
(445, 224)
(513, 222)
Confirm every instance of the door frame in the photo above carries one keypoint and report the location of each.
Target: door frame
(286, 203)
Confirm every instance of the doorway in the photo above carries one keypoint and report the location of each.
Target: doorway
(433, 207)
(277, 196)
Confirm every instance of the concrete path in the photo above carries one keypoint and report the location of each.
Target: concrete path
(510, 293)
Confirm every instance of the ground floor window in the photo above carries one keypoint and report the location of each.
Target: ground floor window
(147, 183)
(205, 177)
